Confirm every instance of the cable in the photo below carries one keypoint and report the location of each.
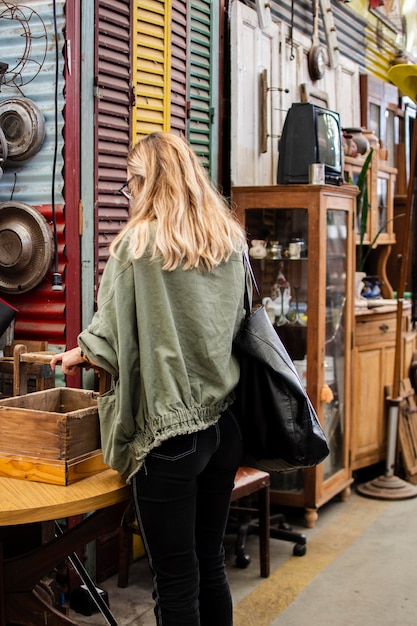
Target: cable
(56, 277)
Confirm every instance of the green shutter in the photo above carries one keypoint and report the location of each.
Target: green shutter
(203, 80)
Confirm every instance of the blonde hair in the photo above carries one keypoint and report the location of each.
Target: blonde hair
(193, 223)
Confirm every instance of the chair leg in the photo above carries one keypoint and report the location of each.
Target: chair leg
(125, 549)
(264, 531)
(242, 559)
(283, 531)
(245, 525)
(266, 528)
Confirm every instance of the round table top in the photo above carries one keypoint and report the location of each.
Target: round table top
(24, 501)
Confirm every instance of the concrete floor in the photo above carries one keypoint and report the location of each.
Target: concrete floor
(360, 569)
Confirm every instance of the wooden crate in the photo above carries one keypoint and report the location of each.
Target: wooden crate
(50, 436)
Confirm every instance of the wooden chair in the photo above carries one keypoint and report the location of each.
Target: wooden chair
(273, 527)
(248, 481)
(19, 376)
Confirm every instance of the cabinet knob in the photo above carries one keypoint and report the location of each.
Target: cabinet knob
(384, 328)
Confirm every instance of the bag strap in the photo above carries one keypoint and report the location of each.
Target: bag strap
(248, 265)
(249, 284)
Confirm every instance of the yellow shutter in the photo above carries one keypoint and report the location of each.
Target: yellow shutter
(151, 66)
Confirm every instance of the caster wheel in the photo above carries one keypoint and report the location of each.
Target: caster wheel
(242, 561)
(299, 550)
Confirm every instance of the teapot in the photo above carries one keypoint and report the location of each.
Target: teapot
(258, 249)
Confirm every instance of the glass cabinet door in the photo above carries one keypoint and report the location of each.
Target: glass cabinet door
(280, 252)
(335, 339)
(279, 249)
(280, 267)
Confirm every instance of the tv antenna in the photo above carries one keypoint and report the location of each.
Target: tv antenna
(28, 61)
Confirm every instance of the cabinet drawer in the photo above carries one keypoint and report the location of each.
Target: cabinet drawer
(375, 331)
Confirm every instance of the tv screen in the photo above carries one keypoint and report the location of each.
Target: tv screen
(311, 134)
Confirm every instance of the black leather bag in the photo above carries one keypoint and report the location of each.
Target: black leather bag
(7, 315)
(279, 425)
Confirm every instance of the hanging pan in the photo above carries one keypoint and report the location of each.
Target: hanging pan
(316, 60)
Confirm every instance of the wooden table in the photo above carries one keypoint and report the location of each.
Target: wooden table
(22, 502)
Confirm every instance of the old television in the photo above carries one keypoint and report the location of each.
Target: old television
(311, 134)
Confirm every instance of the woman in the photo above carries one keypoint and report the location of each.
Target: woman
(170, 304)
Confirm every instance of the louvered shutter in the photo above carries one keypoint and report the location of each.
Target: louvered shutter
(203, 78)
(151, 66)
(179, 67)
(112, 128)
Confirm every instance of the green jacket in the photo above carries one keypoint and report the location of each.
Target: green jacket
(166, 339)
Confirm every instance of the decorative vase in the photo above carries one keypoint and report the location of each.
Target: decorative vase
(349, 145)
(360, 139)
(359, 284)
(372, 138)
(258, 249)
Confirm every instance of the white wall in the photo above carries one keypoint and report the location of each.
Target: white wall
(254, 49)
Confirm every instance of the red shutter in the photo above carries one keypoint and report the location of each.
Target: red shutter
(179, 67)
(112, 129)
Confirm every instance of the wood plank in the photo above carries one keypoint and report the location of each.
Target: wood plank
(407, 431)
(50, 471)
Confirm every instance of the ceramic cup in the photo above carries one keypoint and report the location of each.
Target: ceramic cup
(294, 250)
(316, 174)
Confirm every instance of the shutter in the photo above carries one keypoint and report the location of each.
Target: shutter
(179, 67)
(201, 79)
(112, 121)
(151, 63)
(381, 50)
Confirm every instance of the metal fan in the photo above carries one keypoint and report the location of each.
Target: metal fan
(26, 64)
(26, 247)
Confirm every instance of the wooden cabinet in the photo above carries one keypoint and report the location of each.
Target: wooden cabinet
(380, 232)
(381, 187)
(307, 276)
(373, 367)
(379, 112)
(396, 253)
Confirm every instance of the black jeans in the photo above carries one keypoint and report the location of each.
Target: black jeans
(182, 498)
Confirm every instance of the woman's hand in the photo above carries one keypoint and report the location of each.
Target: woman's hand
(69, 361)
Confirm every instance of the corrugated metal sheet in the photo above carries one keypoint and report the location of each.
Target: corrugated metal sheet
(113, 106)
(179, 67)
(41, 310)
(151, 66)
(200, 72)
(369, 44)
(33, 178)
(350, 27)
